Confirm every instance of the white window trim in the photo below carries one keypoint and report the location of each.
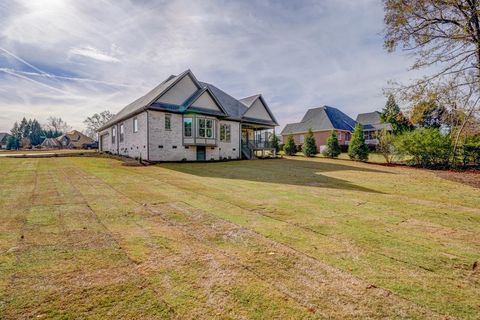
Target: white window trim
(169, 116)
(135, 125)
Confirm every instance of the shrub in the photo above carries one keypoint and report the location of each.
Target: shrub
(385, 145)
(470, 151)
(289, 148)
(12, 143)
(427, 147)
(275, 142)
(358, 149)
(332, 149)
(309, 147)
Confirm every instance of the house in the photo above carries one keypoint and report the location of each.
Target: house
(183, 119)
(3, 140)
(322, 121)
(372, 124)
(74, 140)
(51, 143)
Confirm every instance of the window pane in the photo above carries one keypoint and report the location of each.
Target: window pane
(167, 122)
(222, 132)
(187, 125)
(227, 133)
(209, 133)
(135, 125)
(209, 123)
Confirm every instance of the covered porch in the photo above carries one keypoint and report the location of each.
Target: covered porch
(256, 141)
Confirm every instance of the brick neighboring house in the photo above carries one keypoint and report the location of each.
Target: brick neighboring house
(322, 121)
(3, 140)
(372, 124)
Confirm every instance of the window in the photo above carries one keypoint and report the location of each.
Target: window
(209, 128)
(121, 132)
(135, 125)
(201, 128)
(339, 135)
(205, 128)
(114, 134)
(302, 138)
(168, 122)
(187, 127)
(225, 132)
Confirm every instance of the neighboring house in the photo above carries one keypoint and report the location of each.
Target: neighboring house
(183, 119)
(3, 140)
(372, 124)
(51, 143)
(322, 121)
(74, 140)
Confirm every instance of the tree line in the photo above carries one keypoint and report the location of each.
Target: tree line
(31, 132)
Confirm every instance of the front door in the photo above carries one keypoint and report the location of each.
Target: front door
(201, 153)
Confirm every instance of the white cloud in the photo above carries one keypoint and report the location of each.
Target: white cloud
(93, 53)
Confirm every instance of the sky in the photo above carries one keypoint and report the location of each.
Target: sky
(71, 59)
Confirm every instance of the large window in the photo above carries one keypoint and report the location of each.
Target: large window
(122, 132)
(168, 122)
(135, 125)
(205, 128)
(225, 132)
(114, 134)
(187, 127)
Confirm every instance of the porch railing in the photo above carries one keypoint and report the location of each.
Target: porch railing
(258, 144)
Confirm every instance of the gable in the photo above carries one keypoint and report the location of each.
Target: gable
(206, 101)
(258, 111)
(180, 92)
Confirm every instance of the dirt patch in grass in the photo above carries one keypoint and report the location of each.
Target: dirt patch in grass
(470, 178)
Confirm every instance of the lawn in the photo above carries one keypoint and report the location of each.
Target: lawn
(86, 237)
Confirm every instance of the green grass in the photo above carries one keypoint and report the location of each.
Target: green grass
(287, 238)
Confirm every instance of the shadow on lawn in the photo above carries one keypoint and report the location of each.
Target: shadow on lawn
(281, 171)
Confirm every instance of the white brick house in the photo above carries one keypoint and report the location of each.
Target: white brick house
(183, 119)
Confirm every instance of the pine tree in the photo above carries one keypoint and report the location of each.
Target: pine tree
(358, 149)
(274, 142)
(392, 114)
(290, 148)
(309, 147)
(12, 143)
(16, 131)
(333, 146)
(36, 133)
(23, 128)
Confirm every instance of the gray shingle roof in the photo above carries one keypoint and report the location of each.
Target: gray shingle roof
(234, 108)
(372, 121)
(320, 119)
(249, 100)
(4, 135)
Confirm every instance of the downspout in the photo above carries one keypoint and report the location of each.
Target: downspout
(148, 136)
(117, 138)
(240, 141)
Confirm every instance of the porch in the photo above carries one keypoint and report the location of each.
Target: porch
(256, 141)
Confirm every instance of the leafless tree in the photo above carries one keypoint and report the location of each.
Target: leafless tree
(96, 121)
(57, 124)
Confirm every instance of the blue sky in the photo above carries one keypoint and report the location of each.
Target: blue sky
(74, 58)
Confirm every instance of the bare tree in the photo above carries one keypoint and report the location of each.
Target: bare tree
(57, 125)
(444, 37)
(96, 121)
